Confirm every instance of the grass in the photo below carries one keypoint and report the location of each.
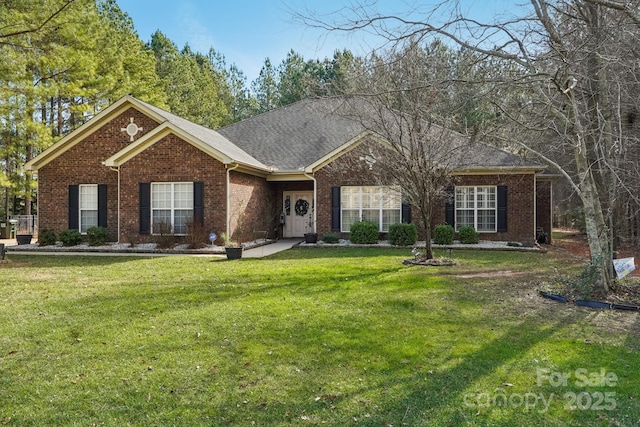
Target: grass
(307, 337)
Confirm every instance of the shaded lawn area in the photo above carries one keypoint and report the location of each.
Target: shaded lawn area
(336, 336)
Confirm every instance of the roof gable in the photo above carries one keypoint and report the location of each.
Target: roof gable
(295, 136)
(203, 138)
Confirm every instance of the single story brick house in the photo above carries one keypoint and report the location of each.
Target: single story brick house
(140, 171)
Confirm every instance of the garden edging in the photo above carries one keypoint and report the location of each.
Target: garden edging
(589, 303)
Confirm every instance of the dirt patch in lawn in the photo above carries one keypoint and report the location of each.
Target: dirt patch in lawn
(490, 274)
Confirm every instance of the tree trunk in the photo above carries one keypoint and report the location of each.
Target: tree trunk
(596, 226)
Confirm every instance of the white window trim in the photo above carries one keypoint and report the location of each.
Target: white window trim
(80, 209)
(173, 205)
(380, 209)
(475, 206)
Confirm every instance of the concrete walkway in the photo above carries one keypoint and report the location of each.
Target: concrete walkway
(270, 249)
(257, 252)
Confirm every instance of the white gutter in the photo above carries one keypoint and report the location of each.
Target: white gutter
(117, 170)
(229, 169)
(315, 191)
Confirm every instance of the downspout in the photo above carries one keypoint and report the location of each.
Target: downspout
(315, 190)
(117, 170)
(229, 169)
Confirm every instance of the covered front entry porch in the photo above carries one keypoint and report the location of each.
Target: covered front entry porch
(298, 208)
(295, 199)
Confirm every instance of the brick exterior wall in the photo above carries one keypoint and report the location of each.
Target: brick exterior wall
(252, 201)
(82, 164)
(168, 160)
(520, 205)
(349, 170)
(172, 160)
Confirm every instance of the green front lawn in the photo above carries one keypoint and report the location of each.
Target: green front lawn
(308, 337)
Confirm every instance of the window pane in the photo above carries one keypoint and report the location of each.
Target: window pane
(486, 197)
(464, 218)
(88, 196)
(390, 217)
(487, 220)
(370, 197)
(349, 216)
(370, 203)
(391, 198)
(88, 219)
(161, 196)
(350, 197)
(464, 197)
(371, 215)
(161, 221)
(183, 195)
(182, 218)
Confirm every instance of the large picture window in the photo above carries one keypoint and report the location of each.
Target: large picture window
(88, 203)
(476, 207)
(171, 207)
(380, 205)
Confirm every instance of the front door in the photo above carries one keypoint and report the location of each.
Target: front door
(298, 213)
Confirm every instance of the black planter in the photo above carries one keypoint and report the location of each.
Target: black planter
(24, 239)
(233, 252)
(311, 238)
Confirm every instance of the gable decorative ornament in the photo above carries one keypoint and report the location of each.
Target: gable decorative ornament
(369, 159)
(132, 129)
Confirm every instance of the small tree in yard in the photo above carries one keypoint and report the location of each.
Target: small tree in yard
(416, 154)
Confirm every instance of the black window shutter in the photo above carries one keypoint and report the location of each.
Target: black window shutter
(450, 207)
(74, 207)
(335, 209)
(198, 203)
(145, 208)
(502, 208)
(406, 213)
(102, 205)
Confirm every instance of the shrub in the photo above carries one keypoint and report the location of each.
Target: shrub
(47, 238)
(97, 236)
(70, 237)
(403, 234)
(163, 235)
(330, 238)
(443, 234)
(198, 235)
(468, 235)
(364, 232)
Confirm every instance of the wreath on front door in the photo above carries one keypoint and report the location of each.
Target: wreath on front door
(302, 207)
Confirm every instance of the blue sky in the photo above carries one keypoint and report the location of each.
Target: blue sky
(247, 32)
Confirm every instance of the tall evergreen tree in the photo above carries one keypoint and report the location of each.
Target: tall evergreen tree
(265, 88)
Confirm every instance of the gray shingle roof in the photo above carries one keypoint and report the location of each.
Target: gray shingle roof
(295, 136)
(208, 136)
